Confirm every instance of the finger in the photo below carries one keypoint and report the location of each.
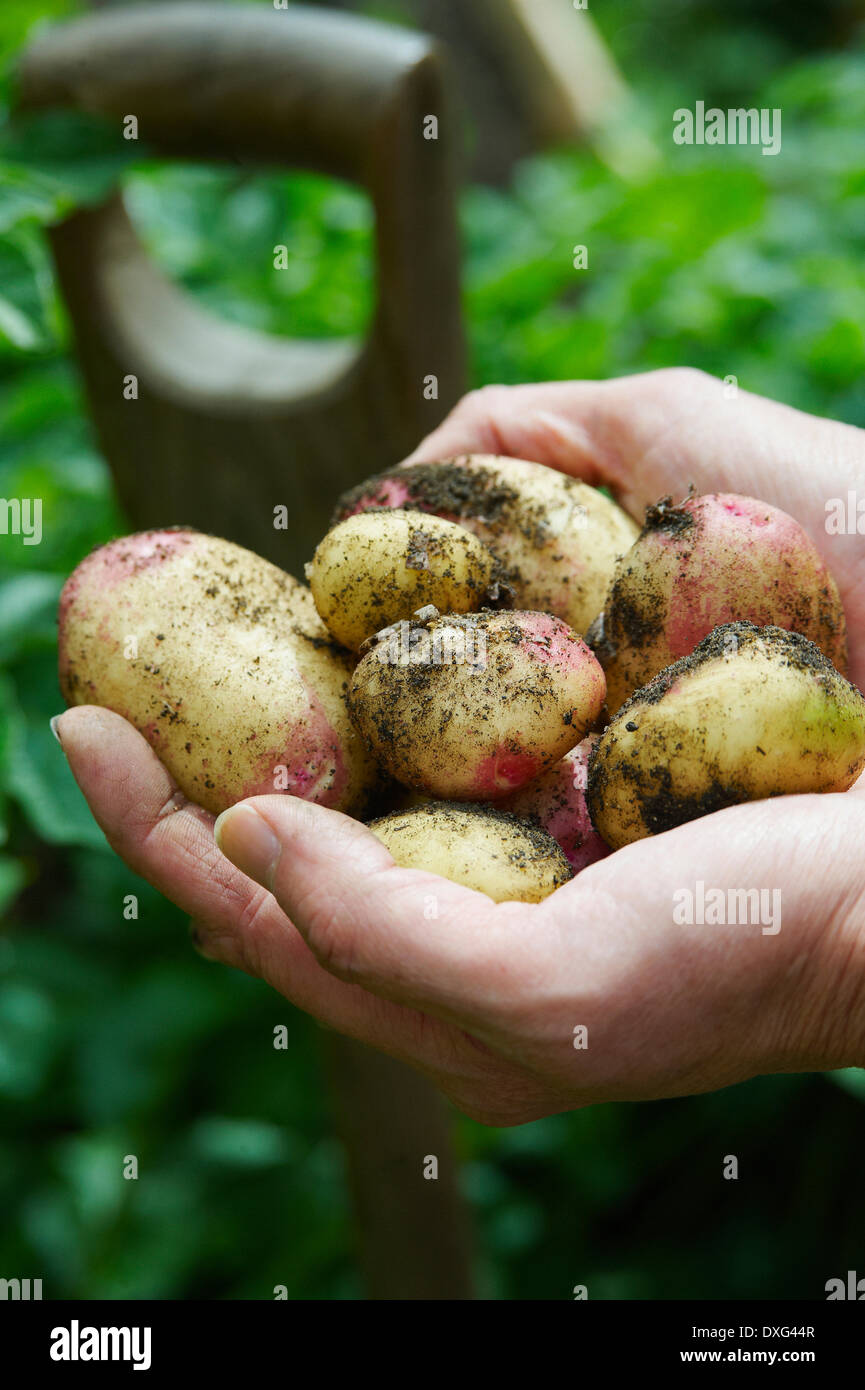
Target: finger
(144, 816)
(169, 841)
(405, 933)
(555, 423)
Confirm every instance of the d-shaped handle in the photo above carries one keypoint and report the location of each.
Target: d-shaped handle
(298, 87)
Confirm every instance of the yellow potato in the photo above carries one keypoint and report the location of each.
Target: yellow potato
(472, 706)
(557, 538)
(221, 661)
(752, 713)
(492, 852)
(380, 566)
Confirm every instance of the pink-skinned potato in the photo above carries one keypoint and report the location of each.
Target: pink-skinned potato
(470, 707)
(556, 801)
(220, 660)
(556, 538)
(712, 560)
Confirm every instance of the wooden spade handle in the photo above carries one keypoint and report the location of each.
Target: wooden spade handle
(336, 93)
(302, 86)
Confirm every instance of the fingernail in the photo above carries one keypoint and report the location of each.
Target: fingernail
(247, 840)
(53, 725)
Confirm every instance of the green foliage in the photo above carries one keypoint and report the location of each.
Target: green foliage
(114, 1038)
(216, 232)
(722, 259)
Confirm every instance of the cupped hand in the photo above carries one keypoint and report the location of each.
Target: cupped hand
(601, 992)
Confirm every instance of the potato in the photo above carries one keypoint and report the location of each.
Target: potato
(379, 566)
(470, 707)
(221, 661)
(712, 560)
(557, 802)
(557, 538)
(482, 848)
(753, 713)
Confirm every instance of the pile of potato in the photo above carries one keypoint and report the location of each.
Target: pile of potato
(491, 657)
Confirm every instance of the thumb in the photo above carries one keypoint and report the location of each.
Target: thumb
(365, 919)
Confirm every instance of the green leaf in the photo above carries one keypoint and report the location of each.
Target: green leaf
(850, 1079)
(28, 607)
(13, 876)
(92, 1167)
(240, 1143)
(27, 1038)
(16, 328)
(76, 156)
(25, 197)
(38, 778)
(19, 19)
(24, 306)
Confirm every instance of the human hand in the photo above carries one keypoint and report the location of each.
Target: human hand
(485, 998)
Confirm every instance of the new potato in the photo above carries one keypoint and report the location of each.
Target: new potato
(380, 566)
(557, 802)
(221, 661)
(471, 707)
(557, 538)
(711, 560)
(754, 712)
(482, 848)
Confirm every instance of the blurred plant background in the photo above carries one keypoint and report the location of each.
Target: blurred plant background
(114, 1036)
